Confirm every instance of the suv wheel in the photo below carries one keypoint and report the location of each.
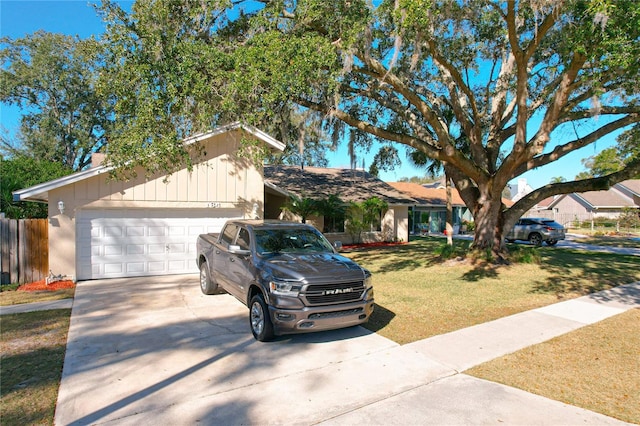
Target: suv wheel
(207, 284)
(259, 319)
(535, 239)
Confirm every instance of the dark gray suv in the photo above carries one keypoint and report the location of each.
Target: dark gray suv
(536, 230)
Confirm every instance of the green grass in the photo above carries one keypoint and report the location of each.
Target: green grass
(9, 296)
(419, 296)
(32, 347)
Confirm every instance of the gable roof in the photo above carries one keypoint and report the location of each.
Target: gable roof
(630, 186)
(610, 198)
(428, 196)
(318, 183)
(40, 192)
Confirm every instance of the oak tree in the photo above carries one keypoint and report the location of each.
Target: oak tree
(528, 81)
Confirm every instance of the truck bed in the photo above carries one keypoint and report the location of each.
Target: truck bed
(211, 237)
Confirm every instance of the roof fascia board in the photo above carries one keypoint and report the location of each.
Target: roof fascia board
(32, 193)
(277, 189)
(580, 199)
(237, 125)
(620, 186)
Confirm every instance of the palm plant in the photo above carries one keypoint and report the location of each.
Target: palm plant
(301, 206)
(333, 210)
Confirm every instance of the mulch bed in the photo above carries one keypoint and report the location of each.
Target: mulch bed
(42, 286)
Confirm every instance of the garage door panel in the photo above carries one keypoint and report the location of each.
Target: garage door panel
(114, 244)
(136, 267)
(156, 231)
(157, 267)
(133, 249)
(113, 268)
(135, 231)
(112, 250)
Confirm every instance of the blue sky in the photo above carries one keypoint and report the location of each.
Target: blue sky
(77, 17)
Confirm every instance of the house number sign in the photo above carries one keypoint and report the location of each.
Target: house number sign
(214, 205)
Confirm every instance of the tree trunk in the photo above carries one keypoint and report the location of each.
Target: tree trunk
(489, 229)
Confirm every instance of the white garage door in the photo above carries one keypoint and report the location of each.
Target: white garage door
(128, 243)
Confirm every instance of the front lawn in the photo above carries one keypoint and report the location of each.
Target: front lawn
(419, 296)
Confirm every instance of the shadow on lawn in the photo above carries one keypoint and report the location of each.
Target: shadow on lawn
(380, 318)
(407, 257)
(576, 271)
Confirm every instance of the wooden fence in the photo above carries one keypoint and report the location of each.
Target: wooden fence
(24, 250)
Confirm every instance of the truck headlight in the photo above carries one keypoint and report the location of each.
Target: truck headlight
(285, 288)
(368, 280)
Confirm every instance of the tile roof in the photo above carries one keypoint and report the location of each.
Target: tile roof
(434, 196)
(317, 182)
(428, 196)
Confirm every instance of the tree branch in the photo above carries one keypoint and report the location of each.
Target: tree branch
(602, 183)
(562, 150)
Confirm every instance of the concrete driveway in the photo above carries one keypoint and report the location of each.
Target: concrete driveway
(154, 350)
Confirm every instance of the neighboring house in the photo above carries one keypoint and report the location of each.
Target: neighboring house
(102, 228)
(590, 205)
(519, 190)
(350, 185)
(429, 213)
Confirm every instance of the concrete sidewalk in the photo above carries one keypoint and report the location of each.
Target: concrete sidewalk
(156, 351)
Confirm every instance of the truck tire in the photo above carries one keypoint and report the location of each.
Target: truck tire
(207, 284)
(259, 319)
(535, 239)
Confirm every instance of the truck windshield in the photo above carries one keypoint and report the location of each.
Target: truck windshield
(272, 241)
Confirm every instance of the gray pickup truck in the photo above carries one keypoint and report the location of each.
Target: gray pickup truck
(288, 274)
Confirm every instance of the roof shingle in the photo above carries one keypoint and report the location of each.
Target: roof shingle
(318, 183)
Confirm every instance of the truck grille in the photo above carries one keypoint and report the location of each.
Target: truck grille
(337, 314)
(326, 294)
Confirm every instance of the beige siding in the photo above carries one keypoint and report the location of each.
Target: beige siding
(221, 181)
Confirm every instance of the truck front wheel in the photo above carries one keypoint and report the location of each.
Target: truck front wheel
(207, 284)
(259, 319)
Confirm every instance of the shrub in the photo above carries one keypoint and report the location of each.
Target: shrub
(520, 254)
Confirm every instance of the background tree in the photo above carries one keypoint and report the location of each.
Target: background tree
(53, 79)
(514, 73)
(615, 158)
(557, 179)
(22, 172)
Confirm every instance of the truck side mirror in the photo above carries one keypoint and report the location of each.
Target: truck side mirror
(337, 245)
(235, 249)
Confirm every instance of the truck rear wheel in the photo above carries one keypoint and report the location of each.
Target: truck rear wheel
(259, 319)
(207, 284)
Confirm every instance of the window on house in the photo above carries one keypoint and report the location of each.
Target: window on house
(333, 223)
